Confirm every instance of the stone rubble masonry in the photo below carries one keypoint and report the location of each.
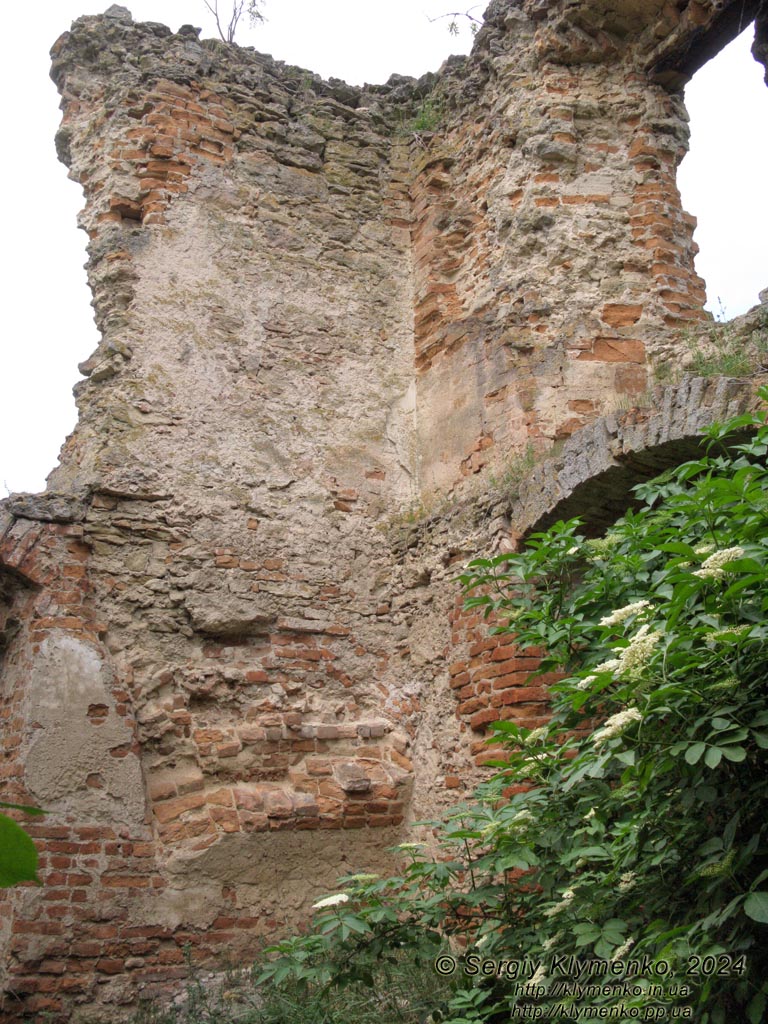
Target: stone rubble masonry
(234, 663)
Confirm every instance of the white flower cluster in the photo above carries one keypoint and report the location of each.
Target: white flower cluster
(540, 759)
(586, 682)
(621, 952)
(612, 665)
(539, 976)
(602, 546)
(632, 659)
(704, 549)
(712, 567)
(627, 881)
(636, 655)
(551, 943)
(565, 901)
(331, 901)
(732, 634)
(622, 614)
(719, 868)
(535, 734)
(522, 818)
(729, 683)
(616, 724)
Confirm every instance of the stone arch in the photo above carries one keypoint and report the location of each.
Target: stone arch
(593, 474)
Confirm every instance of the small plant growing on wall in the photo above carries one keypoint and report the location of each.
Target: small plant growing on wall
(727, 348)
(726, 352)
(426, 120)
(517, 469)
(428, 117)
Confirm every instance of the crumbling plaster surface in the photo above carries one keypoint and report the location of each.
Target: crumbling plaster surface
(234, 661)
(74, 734)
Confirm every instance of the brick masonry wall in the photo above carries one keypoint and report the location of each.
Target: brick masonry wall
(243, 427)
(553, 261)
(107, 922)
(234, 666)
(494, 681)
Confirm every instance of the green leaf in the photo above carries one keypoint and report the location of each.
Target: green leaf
(756, 906)
(18, 856)
(587, 852)
(505, 727)
(742, 584)
(713, 757)
(713, 845)
(37, 811)
(756, 1009)
(513, 862)
(355, 924)
(694, 753)
(734, 753)
(586, 933)
(626, 757)
(678, 548)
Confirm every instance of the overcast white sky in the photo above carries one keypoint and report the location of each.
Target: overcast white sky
(48, 327)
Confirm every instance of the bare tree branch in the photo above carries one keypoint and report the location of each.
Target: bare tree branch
(215, 12)
(453, 27)
(237, 12)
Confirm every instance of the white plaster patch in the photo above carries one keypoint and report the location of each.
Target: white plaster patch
(75, 757)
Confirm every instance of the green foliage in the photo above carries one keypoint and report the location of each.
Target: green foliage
(724, 349)
(628, 835)
(724, 353)
(427, 118)
(515, 472)
(397, 989)
(18, 856)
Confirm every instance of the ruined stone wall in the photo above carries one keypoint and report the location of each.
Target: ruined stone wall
(227, 647)
(553, 260)
(234, 662)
